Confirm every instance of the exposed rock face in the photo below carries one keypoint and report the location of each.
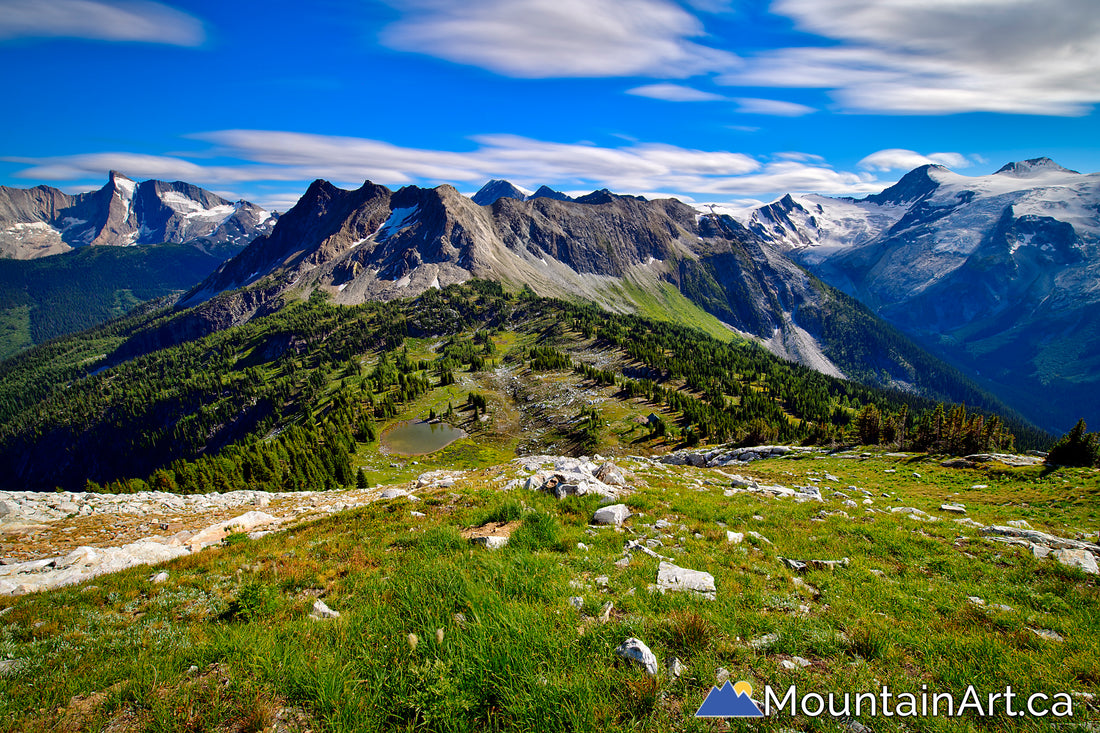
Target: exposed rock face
(996, 271)
(42, 221)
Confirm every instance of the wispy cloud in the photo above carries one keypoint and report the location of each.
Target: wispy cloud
(774, 107)
(935, 56)
(104, 20)
(559, 38)
(894, 159)
(265, 160)
(675, 93)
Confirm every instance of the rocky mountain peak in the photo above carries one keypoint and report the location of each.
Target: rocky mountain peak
(545, 192)
(1031, 168)
(914, 185)
(497, 189)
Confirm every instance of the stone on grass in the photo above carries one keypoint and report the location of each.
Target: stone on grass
(160, 577)
(637, 652)
(614, 515)
(734, 537)
(674, 578)
(954, 508)
(675, 667)
(576, 602)
(322, 611)
(1048, 634)
(763, 642)
(491, 542)
(1082, 559)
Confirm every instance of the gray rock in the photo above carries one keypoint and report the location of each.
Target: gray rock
(161, 577)
(322, 611)
(675, 667)
(576, 602)
(674, 578)
(614, 515)
(763, 642)
(954, 508)
(734, 537)
(491, 542)
(1082, 559)
(637, 652)
(1048, 635)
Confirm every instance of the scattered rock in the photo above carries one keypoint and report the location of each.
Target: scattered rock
(161, 577)
(637, 652)
(322, 611)
(10, 666)
(1006, 458)
(721, 675)
(734, 537)
(763, 642)
(490, 542)
(954, 508)
(674, 666)
(1082, 559)
(1019, 524)
(576, 602)
(613, 515)
(760, 537)
(674, 578)
(1047, 634)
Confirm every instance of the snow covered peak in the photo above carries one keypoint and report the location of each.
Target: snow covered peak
(1032, 168)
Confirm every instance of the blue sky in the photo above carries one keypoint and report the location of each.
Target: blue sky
(710, 100)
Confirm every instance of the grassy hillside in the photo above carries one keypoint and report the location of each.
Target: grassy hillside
(226, 643)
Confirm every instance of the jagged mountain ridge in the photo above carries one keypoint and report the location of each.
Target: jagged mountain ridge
(622, 252)
(498, 189)
(999, 273)
(42, 221)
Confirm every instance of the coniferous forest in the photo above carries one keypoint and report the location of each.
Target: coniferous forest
(281, 402)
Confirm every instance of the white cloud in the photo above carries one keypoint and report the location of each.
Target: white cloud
(894, 159)
(267, 158)
(775, 107)
(674, 93)
(105, 20)
(559, 38)
(941, 56)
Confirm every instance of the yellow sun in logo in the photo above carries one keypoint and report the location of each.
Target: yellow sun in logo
(743, 688)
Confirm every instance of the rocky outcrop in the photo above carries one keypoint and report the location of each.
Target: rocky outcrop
(730, 456)
(1071, 553)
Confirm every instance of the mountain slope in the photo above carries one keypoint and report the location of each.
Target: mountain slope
(41, 221)
(47, 297)
(998, 273)
(622, 252)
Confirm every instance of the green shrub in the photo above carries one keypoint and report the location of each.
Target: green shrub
(254, 600)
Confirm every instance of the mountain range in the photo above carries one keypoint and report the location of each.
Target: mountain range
(71, 262)
(993, 275)
(43, 221)
(998, 273)
(661, 258)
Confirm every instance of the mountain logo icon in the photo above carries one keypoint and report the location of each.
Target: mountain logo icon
(729, 701)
